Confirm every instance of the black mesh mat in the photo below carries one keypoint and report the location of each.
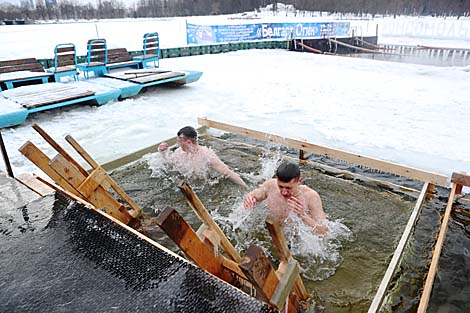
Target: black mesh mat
(82, 262)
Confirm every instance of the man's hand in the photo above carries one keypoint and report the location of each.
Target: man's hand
(249, 201)
(163, 147)
(296, 206)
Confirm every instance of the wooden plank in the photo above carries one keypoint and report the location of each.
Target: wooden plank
(67, 193)
(58, 148)
(57, 98)
(17, 62)
(66, 49)
(461, 179)
(194, 201)
(22, 74)
(389, 167)
(136, 210)
(156, 77)
(233, 267)
(31, 152)
(425, 296)
(283, 251)
(286, 283)
(392, 266)
(34, 184)
(188, 241)
(100, 198)
(257, 268)
(92, 182)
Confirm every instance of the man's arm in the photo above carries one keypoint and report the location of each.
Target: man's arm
(317, 217)
(224, 170)
(164, 151)
(255, 196)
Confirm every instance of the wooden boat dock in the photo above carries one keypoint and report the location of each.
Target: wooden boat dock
(18, 103)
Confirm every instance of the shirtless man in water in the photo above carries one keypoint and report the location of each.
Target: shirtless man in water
(286, 194)
(192, 158)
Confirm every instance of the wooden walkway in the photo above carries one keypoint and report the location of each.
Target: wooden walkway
(146, 76)
(40, 95)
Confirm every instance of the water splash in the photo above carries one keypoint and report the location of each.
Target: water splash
(190, 167)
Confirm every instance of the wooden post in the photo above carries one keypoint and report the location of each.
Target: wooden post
(5, 157)
(263, 277)
(58, 148)
(385, 166)
(136, 211)
(31, 152)
(282, 249)
(380, 294)
(460, 179)
(194, 201)
(99, 197)
(425, 296)
(188, 241)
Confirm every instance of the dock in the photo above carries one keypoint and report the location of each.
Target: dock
(16, 104)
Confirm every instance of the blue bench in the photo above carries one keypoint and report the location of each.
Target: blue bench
(96, 59)
(120, 57)
(150, 51)
(21, 72)
(65, 61)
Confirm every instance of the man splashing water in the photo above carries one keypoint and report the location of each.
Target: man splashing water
(194, 160)
(285, 194)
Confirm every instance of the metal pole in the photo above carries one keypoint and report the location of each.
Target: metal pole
(5, 157)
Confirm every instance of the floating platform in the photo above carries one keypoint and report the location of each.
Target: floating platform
(16, 104)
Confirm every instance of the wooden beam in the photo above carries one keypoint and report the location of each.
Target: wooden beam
(58, 148)
(380, 294)
(92, 182)
(34, 184)
(257, 268)
(194, 201)
(283, 251)
(100, 198)
(425, 296)
(31, 152)
(188, 241)
(286, 283)
(385, 166)
(136, 210)
(461, 179)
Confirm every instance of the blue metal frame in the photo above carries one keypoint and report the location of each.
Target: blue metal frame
(100, 69)
(58, 75)
(144, 57)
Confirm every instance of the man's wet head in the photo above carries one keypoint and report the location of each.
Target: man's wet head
(288, 179)
(187, 138)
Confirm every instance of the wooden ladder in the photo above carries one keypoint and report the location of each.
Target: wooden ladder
(282, 288)
(73, 179)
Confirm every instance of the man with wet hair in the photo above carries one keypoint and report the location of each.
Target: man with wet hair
(192, 159)
(286, 194)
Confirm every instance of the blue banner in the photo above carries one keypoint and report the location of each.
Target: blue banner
(206, 34)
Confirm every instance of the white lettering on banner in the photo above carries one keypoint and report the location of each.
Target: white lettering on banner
(298, 30)
(267, 31)
(280, 31)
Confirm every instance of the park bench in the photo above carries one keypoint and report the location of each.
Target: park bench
(150, 51)
(19, 71)
(65, 61)
(96, 59)
(120, 57)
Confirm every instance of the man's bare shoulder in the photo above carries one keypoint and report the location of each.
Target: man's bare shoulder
(270, 183)
(309, 192)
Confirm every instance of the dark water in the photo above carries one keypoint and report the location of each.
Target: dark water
(374, 215)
